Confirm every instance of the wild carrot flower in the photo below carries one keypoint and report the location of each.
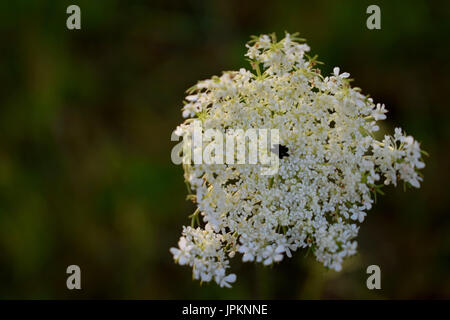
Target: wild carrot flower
(330, 172)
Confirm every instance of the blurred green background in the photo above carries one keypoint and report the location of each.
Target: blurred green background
(85, 123)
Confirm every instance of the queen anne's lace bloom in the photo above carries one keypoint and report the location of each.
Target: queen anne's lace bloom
(324, 186)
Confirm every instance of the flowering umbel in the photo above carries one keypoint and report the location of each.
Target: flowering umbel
(329, 175)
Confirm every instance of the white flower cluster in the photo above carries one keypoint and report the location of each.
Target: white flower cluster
(203, 251)
(324, 186)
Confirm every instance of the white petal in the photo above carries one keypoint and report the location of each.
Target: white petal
(336, 71)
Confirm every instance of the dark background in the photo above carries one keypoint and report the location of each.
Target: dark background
(85, 123)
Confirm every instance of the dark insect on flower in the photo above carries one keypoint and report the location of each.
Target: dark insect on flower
(280, 150)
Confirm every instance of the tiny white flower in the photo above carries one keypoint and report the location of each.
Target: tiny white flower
(342, 75)
(379, 112)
